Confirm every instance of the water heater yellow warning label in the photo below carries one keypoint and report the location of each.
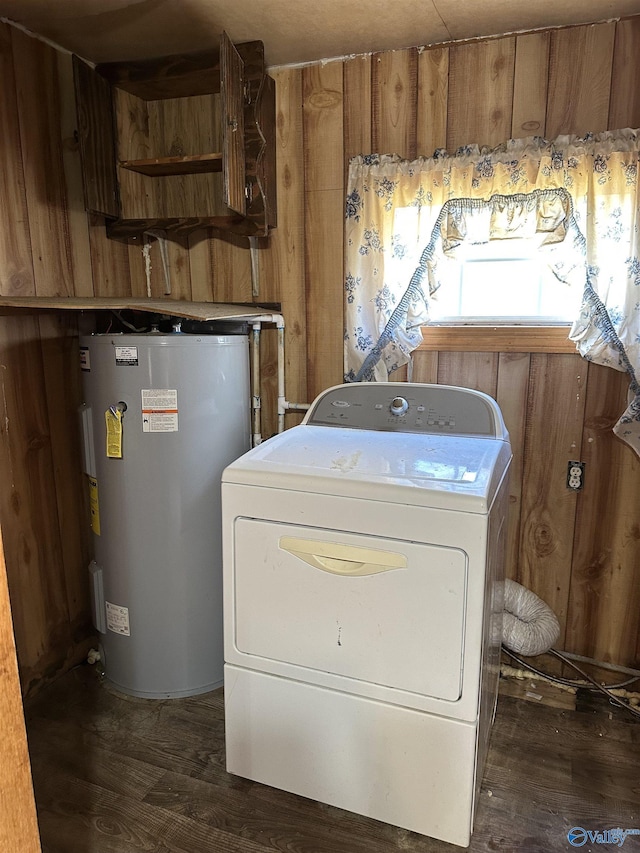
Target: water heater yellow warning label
(94, 506)
(113, 420)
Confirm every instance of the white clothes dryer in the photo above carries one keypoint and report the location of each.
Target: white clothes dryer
(363, 559)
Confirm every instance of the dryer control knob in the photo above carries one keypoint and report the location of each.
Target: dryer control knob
(399, 406)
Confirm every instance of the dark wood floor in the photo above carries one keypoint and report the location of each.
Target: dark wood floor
(119, 775)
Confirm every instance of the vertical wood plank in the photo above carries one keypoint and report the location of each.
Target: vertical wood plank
(433, 95)
(358, 104)
(40, 132)
(401, 374)
(604, 606)
(284, 259)
(357, 108)
(480, 93)
(580, 79)
(323, 126)
(19, 824)
(16, 266)
(60, 359)
(555, 412)
(97, 138)
(394, 93)
(232, 266)
(324, 222)
(72, 170)
(266, 168)
(425, 367)
(179, 270)
(233, 144)
(269, 384)
(28, 511)
(624, 109)
(511, 395)
(531, 74)
(109, 261)
(477, 370)
(140, 285)
(139, 195)
(201, 266)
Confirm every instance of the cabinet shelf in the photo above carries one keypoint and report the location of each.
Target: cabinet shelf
(214, 101)
(157, 167)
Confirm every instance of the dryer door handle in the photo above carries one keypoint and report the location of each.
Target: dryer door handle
(339, 559)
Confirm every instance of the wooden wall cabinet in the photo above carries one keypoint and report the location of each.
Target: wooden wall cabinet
(179, 143)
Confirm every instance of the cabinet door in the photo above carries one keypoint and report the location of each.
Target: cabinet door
(233, 158)
(97, 140)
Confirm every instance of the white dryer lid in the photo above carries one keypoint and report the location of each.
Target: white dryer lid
(449, 472)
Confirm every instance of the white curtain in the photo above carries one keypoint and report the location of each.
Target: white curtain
(577, 196)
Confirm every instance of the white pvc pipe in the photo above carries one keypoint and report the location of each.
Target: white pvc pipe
(282, 407)
(283, 404)
(298, 406)
(255, 266)
(256, 403)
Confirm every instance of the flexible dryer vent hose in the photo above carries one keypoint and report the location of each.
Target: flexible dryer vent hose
(530, 626)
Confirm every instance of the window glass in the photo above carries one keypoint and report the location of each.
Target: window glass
(503, 281)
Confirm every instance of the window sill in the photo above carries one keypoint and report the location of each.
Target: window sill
(551, 339)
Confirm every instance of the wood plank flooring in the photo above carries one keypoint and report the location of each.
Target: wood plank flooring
(114, 774)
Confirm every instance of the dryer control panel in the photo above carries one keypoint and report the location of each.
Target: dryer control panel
(408, 407)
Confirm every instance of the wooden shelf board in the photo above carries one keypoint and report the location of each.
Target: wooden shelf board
(163, 166)
(173, 307)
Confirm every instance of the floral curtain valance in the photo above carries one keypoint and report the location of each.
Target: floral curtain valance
(406, 219)
(544, 217)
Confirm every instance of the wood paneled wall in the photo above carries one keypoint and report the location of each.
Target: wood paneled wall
(580, 551)
(44, 250)
(411, 102)
(50, 247)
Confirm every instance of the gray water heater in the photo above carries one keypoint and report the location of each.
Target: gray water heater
(163, 415)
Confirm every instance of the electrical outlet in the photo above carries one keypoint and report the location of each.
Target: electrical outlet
(575, 476)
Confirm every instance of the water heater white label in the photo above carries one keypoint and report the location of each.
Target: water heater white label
(126, 356)
(118, 619)
(159, 410)
(85, 359)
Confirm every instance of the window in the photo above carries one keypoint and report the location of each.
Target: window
(577, 195)
(503, 282)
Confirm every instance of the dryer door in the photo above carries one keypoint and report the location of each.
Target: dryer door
(370, 608)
